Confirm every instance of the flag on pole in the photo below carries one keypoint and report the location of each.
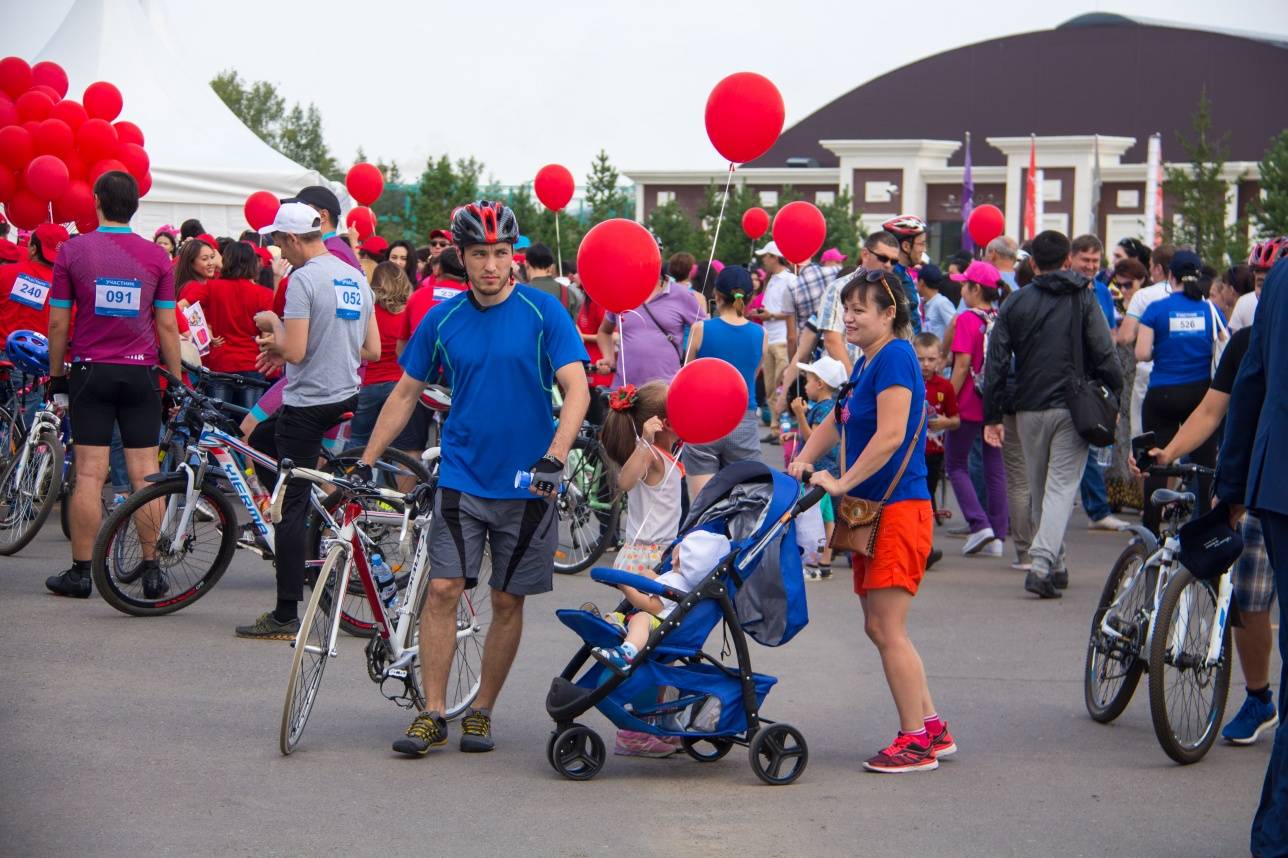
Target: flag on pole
(1039, 203)
(1030, 191)
(1095, 188)
(1158, 196)
(1153, 189)
(968, 200)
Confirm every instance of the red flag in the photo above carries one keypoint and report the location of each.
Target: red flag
(1031, 192)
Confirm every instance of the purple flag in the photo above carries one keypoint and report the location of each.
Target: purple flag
(968, 200)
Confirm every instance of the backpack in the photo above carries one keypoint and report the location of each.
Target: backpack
(989, 319)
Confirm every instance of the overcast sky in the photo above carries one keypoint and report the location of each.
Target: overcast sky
(521, 84)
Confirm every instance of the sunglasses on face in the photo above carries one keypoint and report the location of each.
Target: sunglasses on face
(439, 243)
(883, 259)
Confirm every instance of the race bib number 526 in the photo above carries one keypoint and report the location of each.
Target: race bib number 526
(348, 299)
(1185, 324)
(113, 297)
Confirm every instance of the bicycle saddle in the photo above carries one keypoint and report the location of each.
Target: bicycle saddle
(1162, 497)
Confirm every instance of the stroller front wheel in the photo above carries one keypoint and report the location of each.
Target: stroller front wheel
(695, 747)
(576, 753)
(778, 754)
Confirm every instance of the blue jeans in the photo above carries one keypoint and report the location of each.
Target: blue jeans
(1095, 498)
(975, 467)
(243, 397)
(1270, 824)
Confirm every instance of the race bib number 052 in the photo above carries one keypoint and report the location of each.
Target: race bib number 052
(348, 299)
(30, 291)
(114, 297)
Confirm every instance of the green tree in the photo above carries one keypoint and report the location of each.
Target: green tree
(604, 198)
(442, 187)
(296, 133)
(1272, 209)
(1200, 192)
(676, 231)
(842, 225)
(732, 244)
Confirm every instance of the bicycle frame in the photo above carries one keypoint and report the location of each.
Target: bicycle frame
(46, 417)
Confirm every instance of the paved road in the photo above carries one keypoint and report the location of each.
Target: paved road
(125, 736)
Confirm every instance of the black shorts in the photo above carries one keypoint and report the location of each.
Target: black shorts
(102, 395)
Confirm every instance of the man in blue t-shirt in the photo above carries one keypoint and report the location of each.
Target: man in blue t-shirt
(501, 347)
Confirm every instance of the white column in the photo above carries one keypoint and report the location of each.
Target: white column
(639, 202)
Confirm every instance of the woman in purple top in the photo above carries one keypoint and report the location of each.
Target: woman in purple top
(652, 336)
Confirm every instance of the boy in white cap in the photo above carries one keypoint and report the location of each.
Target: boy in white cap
(814, 528)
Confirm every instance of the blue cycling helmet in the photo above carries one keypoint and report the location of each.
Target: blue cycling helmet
(28, 351)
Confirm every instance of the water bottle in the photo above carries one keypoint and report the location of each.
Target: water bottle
(385, 584)
(1104, 456)
(523, 480)
(785, 423)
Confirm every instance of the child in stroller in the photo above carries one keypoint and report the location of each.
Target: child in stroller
(692, 559)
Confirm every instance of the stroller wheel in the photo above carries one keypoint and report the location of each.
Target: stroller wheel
(707, 750)
(577, 753)
(778, 754)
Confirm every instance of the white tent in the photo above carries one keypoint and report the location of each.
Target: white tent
(205, 162)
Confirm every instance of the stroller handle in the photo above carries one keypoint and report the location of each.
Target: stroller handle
(812, 497)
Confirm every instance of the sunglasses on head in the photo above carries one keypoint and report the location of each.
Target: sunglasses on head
(876, 276)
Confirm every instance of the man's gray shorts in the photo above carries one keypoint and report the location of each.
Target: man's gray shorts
(522, 534)
(740, 445)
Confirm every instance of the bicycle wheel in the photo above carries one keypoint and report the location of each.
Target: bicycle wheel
(588, 510)
(473, 617)
(1114, 665)
(312, 649)
(381, 521)
(28, 489)
(1186, 695)
(192, 560)
(392, 466)
(11, 435)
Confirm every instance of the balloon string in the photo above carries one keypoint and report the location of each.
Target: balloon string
(715, 237)
(558, 246)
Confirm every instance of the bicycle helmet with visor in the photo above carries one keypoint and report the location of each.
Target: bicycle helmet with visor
(1266, 253)
(905, 226)
(484, 222)
(28, 351)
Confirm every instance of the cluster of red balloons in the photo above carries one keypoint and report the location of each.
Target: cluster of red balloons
(53, 148)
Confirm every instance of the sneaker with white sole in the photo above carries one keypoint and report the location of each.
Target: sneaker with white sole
(813, 573)
(1109, 522)
(978, 540)
(1252, 719)
(991, 549)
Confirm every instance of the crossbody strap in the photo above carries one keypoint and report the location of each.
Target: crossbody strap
(1076, 333)
(907, 456)
(670, 338)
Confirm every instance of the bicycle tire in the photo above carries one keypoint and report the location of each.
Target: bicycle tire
(473, 618)
(1190, 747)
(404, 464)
(1106, 704)
(12, 435)
(588, 510)
(312, 651)
(214, 528)
(20, 521)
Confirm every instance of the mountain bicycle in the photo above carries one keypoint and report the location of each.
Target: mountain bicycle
(392, 652)
(1155, 616)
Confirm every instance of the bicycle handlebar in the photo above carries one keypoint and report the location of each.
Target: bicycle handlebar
(226, 378)
(1180, 470)
(286, 470)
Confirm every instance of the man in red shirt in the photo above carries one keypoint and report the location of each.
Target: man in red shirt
(24, 287)
(439, 240)
(448, 286)
(9, 252)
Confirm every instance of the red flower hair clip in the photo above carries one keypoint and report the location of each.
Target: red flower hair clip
(623, 398)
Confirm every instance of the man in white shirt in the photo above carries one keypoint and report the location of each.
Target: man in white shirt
(778, 316)
(1126, 334)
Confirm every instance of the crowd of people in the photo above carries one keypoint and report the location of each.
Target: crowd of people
(888, 382)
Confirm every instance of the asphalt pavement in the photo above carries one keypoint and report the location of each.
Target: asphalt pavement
(158, 736)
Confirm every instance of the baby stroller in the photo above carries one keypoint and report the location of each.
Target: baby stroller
(673, 688)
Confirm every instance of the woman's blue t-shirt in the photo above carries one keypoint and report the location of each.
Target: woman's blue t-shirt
(740, 345)
(1182, 339)
(894, 366)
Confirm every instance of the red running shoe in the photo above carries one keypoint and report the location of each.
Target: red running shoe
(942, 743)
(903, 755)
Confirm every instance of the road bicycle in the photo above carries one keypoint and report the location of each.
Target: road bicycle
(392, 653)
(590, 509)
(32, 480)
(186, 520)
(1155, 617)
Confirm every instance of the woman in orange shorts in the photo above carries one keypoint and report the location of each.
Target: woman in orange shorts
(878, 417)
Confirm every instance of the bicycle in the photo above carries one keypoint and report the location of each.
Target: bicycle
(32, 480)
(191, 525)
(391, 653)
(1155, 617)
(589, 510)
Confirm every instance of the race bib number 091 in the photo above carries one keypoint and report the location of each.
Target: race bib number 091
(30, 291)
(348, 299)
(114, 297)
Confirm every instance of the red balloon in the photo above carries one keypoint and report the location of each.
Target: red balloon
(365, 183)
(8, 112)
(145, 184)
(15, 147)
(554, 186)
(53, 137)
(51, 75)
(31, 125)
(71, 112)
(755, 221)
(706, 400)
(76, 203)
(15, 76)
(107, 165)
(47, 90)
(799, 230)
(128, 132)
(744, 116)
(96, 140)
(135, 160)
(619, 263)
(260, 209)
(33, 105)
(87, 224)
(25, 210)
(8, 183)
(985, 223)
(47, 177)
(363, 220)
(76, 166)
(102, 100)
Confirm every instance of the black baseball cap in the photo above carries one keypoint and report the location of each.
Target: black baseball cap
(320, 198)
(1209, 545)
(931, 275)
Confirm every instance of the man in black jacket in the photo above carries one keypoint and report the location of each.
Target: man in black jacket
(1036, 327)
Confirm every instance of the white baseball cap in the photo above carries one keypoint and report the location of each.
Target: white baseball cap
(770, 249)
(830, 370)
(294, 219)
